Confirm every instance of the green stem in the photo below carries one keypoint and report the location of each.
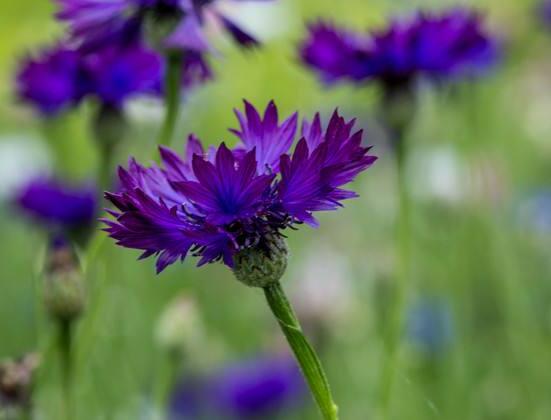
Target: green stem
(304, 353)
(168, 373)
(105, 170)
(173, 77)
(394, 331)
(65, 351)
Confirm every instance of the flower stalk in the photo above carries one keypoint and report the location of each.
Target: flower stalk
(64, 297)
(309, 362)
(109, 128)
(65, 345)
(170, 368)
(400, 107)
(172, 87)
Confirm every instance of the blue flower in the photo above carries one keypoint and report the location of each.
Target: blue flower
(430, 325)
(533, 211)
(436, 46)
(216, 203)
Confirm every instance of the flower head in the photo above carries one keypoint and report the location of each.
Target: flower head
(114, 74)
(56, 205)
(96, 23)
(336, 53)
(436, 46)
(60, 78)
(544, 12)
(250, 389)
(215, 204)
(196, 70)
(51, 81)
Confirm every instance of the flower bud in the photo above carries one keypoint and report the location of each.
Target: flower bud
(179, 326)
(64, 293)
(262, 266)
(16, 377)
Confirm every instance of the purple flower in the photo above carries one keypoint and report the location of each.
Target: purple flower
(51, 81)
(336, 53)
(217, 203)
(196, 69)
(269, 139)
(60, 78)
(56, 205)
(252, 389)
(436, 46)
(96, 23)
(113, 74)
(544, 12)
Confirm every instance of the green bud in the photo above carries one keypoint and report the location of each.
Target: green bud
(262, 266)
(64, 293)
(179, 326)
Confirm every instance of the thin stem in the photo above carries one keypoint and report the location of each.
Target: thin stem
(394, 332)
(105, 169)
(173, 77)
(304, 353)
(65, 352)
(168, 373)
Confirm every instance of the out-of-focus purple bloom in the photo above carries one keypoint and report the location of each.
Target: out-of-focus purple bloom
(56, 205)
(430, 325)
(544, 12)
(254, 389)
(221, 202)
(196, 70)
(336, 53)
(114, 74)
(257, 388)
(436, 46)
(51, 81)
(60, 78)
(96, 23)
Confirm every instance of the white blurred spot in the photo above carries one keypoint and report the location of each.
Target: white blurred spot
(264, 20)
(437, 173)
(21, 159)
(323, 289)
(145, 110)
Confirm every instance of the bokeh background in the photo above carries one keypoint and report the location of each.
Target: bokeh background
(477, 334)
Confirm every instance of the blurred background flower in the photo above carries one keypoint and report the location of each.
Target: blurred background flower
(267, 386)
(57, 206)
(430, 326)
(430, 45)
